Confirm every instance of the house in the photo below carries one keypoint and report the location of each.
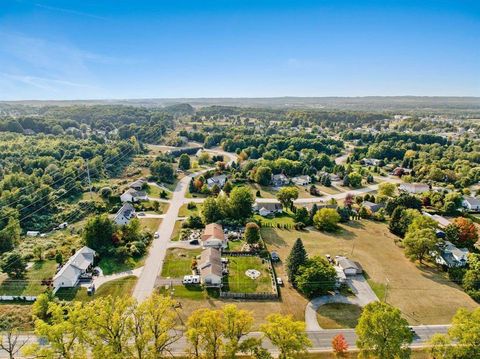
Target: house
(217, 180)
(373, 207)
(451, 256)
(302, 180)
(280, 180)
(77, 265)
(335, 178)
(32, 233)
(211, 268)
(124, 214)
(348, 266)
(370, 161)
(267, 209)
(213, 236)
(132, 195)
(138, 184)
(414, 188)
(400, 171)
(471, 203)
(341, 277)
(442, 221)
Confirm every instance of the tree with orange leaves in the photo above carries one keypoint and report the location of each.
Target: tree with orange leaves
(340, 346)
(467, 232)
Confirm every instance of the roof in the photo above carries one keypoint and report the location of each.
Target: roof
(415, 186)
(213, 230)
(134, 193)
(77, 264)
(280, 176)
(453, 255)
(346, 263)
(472, 201)
(210, 262)
(217, 179)
(302, 177)
(371, 205)
(269, 206)
(138, 183)
(127, 210)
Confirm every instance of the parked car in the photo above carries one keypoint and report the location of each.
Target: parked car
(91, 289)
(140, 214)
(275, 257)
(191, 279)
(279, 281)
(156, 235)
(194, 242)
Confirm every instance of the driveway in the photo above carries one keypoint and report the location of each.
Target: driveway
(363, 295)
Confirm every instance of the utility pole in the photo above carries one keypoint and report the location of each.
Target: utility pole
(89, 181)
(386, 289)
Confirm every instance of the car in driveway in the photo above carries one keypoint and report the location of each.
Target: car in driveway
(156, 235)
(275, 257)
(279, 281)
(191, 279)
(141, 214)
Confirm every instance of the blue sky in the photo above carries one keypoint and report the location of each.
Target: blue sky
(144, 49)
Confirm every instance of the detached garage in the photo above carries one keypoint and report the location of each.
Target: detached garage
(348, 266)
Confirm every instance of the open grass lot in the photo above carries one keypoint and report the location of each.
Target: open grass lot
(282, 219)
(238, 282)
(176, 231)
(338, 315)
(32, 283)
(111, 265)
(422, 293)
(20, 315)
(150, 224)
(185, 212)
(178, 262)
(329, 190)
(154, 191)
(192, 292)
(265, 192)
(116, 288)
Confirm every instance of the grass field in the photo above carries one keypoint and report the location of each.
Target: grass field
(150, 224)
(176, 231)
(191, 292)
(423, 294)
(338, 315)
(116, 288)
(281, 219)
(32, 283)
(178, 262)
(185, 212)
(111, 265)
(237, 281)
(154, 191)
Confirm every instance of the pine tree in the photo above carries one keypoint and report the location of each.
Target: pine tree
(191, 186)
(297, 258)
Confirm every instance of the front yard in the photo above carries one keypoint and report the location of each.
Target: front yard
(178, 262)
(32, 283)
(116, 288)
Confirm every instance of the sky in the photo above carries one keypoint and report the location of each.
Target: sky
(119, 49)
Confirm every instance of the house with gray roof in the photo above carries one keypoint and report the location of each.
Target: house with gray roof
(124, 214)
(77, 265)
(450, 256)
(211, 268)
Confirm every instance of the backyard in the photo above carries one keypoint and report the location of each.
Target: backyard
(178, 262)
(238, 282)
(424, 294)
(32, 283)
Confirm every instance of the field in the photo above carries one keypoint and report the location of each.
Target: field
(282, 219)
(237, 281)
(150, 224)
(176, 230)
(178, 262)
(185, 212)
(338, 315)
(423, 294)
(111, 265)
(116, 288)
(32, 283)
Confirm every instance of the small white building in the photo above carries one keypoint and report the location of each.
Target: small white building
(132, 195)
(471, 203)
(442, 221)
(124, 214)
(302, 180)
(451, 256)
(348, 266)
(77, 265)
(370, 161)
(414, 188)
(33, 233)
(268, 209)
(217, 180)
(211, 268)
(280, 180)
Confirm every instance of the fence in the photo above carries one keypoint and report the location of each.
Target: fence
(257, 296)
(18, 298)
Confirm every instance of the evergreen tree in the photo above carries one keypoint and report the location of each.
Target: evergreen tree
(296, 259)
(395, 226)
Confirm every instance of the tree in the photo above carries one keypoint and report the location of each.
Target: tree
(105, 192)
(98, 233)
(287, 195)
(441, 347)
(237, 324)
(252, 233)
(465, 331)
(386, 189)
(263, 175)
(41, 305)
(326, 219)
(14, 265)
(287, 335)
(10, 235)
(382, 332)
(211, 212)
(184, 162)
(241, 202)
(467, 232)
(204, 330)
(340, 346)
(163, 171)
(65, 332)
(10, 341)
(296, 259)
(420, 243)
(354, 179)
(301, 216)
(316, 277)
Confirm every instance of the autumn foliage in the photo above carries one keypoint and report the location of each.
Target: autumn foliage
(340, 346)
(467, 232)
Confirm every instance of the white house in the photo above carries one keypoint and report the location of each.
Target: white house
(32, 233)
(211, 268)
(280, 180)
(471, 203)
(132, 195)
(217, 180)
(370, 161)
(76, 266)
(213, 236)
(302, 180)
(451, 256)
(138, 184)
(442, 221)
(124, 214)
(414, 188)
(348, 266)
(267, 209)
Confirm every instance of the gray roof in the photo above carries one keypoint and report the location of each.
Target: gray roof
(77, 264)
(472, 201)
(346, 263)
(211, 262)
(127, 210)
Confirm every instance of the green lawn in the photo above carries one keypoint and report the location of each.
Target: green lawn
(150, 224)
(185, 212)
(338, 315)
(178, 262)
(154, 191)
(176, 231)
(282, 219)
(112, 265)
(238, 282)
(116, 288)
(195, 292)
(235, 245)
(32, 283)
